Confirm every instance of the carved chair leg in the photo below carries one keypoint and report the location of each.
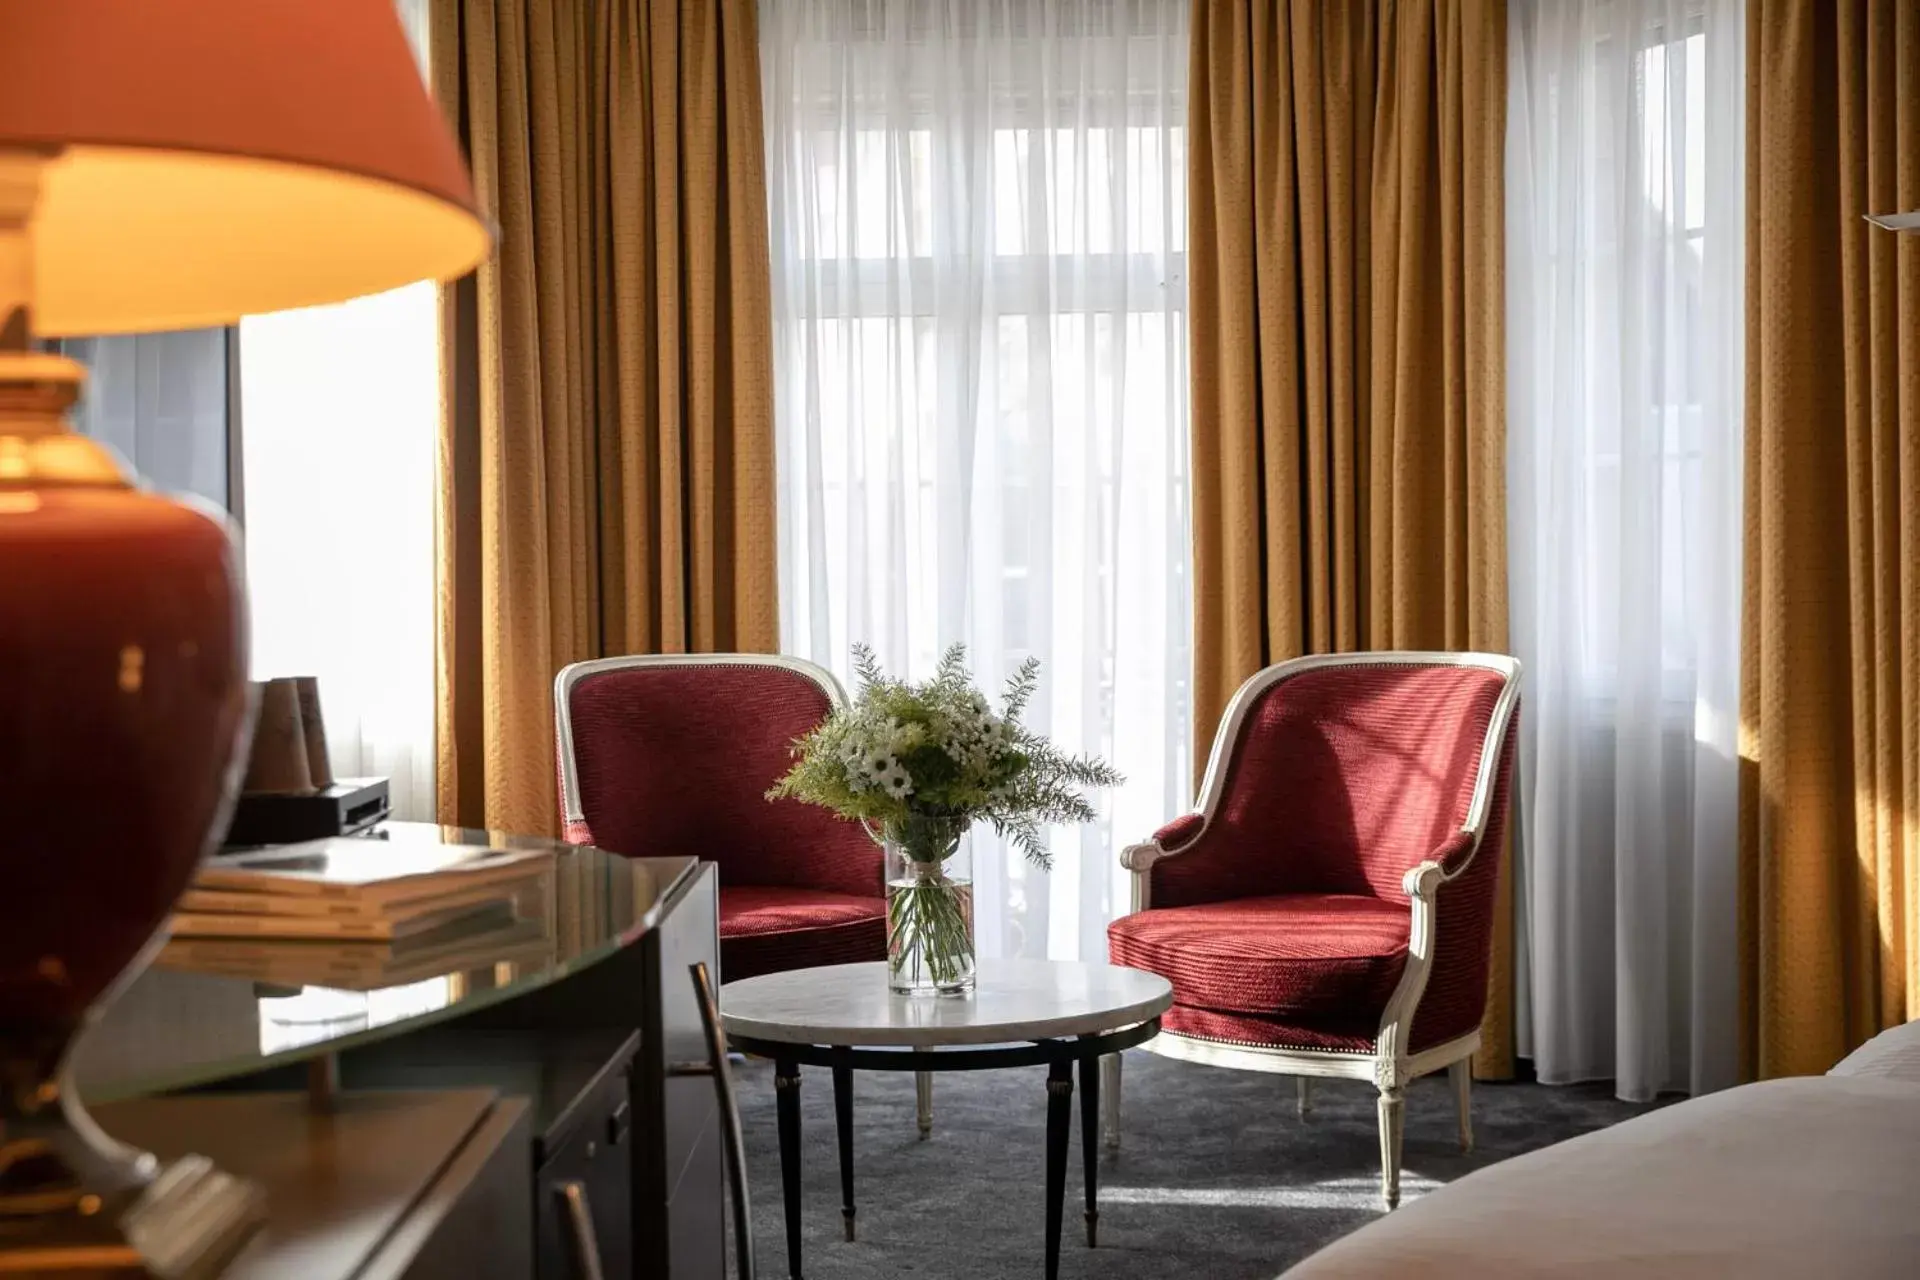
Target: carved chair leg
(923, 1102)
(1461, 1073)
(1303, 1086)
(1393, 1107)
(1110, 1099)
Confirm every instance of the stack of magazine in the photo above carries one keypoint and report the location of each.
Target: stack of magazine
(359, 914)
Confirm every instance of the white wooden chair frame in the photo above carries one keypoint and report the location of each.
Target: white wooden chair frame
(1390, 1066)
(570, 806)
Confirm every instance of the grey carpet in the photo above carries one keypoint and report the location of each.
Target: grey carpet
(1217, 1177)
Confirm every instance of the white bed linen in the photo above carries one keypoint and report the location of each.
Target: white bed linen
(1892, 1055)
(1801, 1179)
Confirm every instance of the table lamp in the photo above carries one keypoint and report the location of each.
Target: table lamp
(164, 164)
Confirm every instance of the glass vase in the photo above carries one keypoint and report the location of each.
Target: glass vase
(930, 917)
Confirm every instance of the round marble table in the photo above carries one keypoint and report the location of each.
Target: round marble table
(1021, 1013)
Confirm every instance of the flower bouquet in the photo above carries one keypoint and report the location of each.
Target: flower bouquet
(919, 764)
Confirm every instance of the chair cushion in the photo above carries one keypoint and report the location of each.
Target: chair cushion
(1298, 955)
(767, 929)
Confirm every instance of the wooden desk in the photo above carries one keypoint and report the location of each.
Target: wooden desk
(386, 1184)
(571, 1049)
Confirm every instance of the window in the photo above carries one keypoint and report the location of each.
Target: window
(978, 217)
(1648, 266)
(339, 413)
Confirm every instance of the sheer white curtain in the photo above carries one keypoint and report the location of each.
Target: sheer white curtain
(1624, 264)
(978, 221)
(339, 414)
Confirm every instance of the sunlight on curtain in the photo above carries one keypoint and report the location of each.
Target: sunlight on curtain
(1625, 200)
(978, 221)
(339, 413)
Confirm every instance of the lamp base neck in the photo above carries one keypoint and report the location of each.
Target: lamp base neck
(37, 448)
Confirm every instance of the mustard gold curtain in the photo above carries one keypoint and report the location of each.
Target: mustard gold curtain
(606, 463)
(1830, 704)
(1346, 189)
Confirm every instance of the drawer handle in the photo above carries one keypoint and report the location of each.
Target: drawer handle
(729, 1117)
(586, 1246)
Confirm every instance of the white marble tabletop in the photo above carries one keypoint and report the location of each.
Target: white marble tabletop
(851, 1005)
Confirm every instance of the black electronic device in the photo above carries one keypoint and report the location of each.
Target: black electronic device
(348, 806)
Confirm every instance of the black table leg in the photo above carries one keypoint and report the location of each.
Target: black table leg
(786, 1090)
(843, 1120)
(1090, 1142)
(1059, 1125)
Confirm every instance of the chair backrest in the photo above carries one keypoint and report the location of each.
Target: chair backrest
(1339, 773)
(673, 754)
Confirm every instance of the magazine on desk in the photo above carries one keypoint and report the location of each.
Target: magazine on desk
(345, 887)
(479, 939)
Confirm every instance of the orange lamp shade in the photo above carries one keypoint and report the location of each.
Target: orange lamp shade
(208, 159)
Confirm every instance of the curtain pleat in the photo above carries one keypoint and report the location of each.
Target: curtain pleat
(1830, 699)
(607, 453)
(1346, 172)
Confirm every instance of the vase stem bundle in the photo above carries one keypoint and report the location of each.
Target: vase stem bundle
(929, 927)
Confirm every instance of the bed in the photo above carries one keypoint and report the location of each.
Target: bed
(1814, 1177)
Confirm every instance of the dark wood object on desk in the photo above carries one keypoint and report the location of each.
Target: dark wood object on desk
(679, 1217)
(577, 1086)
(610, 1137)
(391, 1184)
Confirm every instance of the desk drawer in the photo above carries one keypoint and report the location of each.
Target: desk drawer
(595, 1161)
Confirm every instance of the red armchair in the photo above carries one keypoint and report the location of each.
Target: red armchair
(674, 754)
(1328, 911)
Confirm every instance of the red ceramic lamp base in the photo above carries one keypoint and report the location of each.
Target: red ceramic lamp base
(123, 706)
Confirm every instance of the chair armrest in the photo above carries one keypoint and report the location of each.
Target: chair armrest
(1176, 837)
(1181, 832)
(1440, 866)
(1457, 853)
(1424, 881)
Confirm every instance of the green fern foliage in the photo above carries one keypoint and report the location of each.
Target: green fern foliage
(919, 763)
